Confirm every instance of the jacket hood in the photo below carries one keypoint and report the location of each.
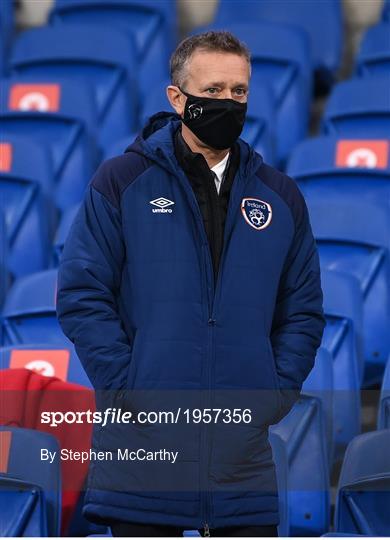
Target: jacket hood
(155, 142)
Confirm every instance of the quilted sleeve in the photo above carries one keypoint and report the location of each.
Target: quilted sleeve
(298, 322)
(88, 285)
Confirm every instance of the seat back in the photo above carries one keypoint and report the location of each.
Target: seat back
(60, 115)
(304, 433)
(279, 455)
(338, 191)
(36, 469)
(22, 508)
(152, 25)
(384, 404)
(363, 499)
(26, 207)
(374, 54)
(358, 108)
(4, 268)
(386, 10)
(319, 384)
(71, 51)
(47, 359)
(29, 314)
(318, 19)
(62, 232)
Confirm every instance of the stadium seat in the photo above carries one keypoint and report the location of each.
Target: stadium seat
(322, 21)
(62, 232)
(304, 433)
(346, 184)
(374, 54)
(49, 359)
(4, 268)
(343, 307)
(22, 157)
(363, 499)
(29, 314)
(343, 298)
(386, 11)
(28, 211)
(118, 147)
(23, 511)
(280, 61)
(359, 108)
(384, 404)
(150, 23)
(279, 454)
(59, 115)
(319, 384)
(339, 339)
(72, 51)
(30, 489)
(7, 29)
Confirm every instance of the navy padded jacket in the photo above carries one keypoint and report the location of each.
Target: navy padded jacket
(136, 296)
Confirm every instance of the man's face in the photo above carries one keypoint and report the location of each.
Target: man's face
(216, 75)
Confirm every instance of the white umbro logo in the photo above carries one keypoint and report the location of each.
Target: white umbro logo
(162, 204)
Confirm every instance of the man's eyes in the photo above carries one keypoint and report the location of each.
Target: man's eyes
(238, 91)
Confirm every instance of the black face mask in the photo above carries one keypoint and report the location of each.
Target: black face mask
(216, 122)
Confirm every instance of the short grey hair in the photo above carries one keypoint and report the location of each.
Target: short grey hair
(215, 41)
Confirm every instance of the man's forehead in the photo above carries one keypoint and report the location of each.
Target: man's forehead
(216, 66)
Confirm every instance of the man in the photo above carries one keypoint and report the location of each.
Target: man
(190, 282)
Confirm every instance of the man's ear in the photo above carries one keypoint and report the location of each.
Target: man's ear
(176, 99)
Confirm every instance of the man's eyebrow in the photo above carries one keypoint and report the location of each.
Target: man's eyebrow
(220, 83)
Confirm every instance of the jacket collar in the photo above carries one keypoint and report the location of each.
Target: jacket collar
(156, 142)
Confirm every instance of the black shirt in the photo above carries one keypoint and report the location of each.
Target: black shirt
(213, 206)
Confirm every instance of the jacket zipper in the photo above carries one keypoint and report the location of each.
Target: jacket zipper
(213, 291)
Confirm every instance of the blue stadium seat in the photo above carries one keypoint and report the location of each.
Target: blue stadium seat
(347, 184)
(25, 188)
(151, 23)
(7, 29)
(33, 476)
(72, 51)
(280, 457)
(29, 314)
(49, 359)
(304, 433)
(62, 232)
(22, 508)
(374, 55)
(280, 61)
(322, 21)
(22, 157)
(4, 265)
(59, 115)
(363, 499)
(119, 146)
(343, 307)
(359, 108)
(386, 10)
(384, 404)
(319, 384)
